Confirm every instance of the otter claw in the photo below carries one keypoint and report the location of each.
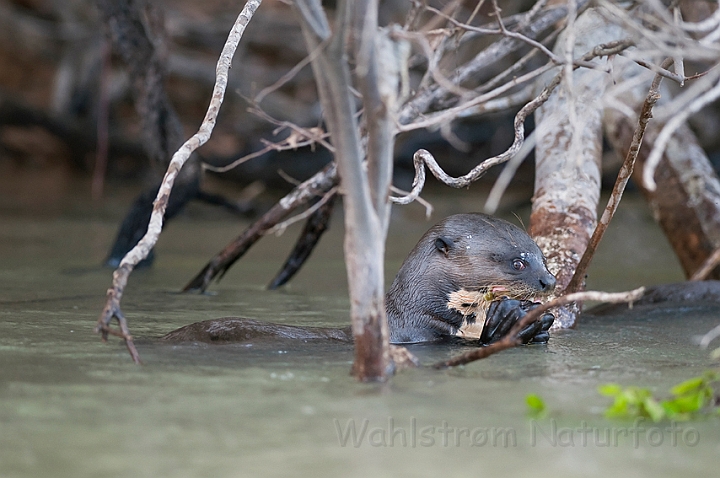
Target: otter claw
(541, 335)
(541, 338)
(504, 313)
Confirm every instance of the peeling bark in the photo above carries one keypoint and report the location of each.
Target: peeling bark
(568, 153)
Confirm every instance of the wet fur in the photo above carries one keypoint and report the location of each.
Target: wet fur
(442, 290)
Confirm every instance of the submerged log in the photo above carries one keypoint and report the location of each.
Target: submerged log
(315, 226)
(680, 294)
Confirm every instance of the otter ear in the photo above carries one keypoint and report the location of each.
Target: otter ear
(443, 244)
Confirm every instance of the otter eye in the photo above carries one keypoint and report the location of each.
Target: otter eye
(519, 264)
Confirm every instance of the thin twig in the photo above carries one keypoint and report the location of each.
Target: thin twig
(501, 31)
(290, 74)
(279, 229)
(517, 66)
(512, 340)
(709, 337)
(432, 69)
(678, 63)
(659, 70)
(626, 171)
(665, 40)
(423, 157)
(140, 251)
(424, 100)
(449, 114)
(670, 127)
(707, 266)
(292, 142)
(315, 133)
(503, 181)
(424, 203)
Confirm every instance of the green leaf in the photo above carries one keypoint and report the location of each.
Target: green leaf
(610, 389)
(635, 396)
(618, 409)
(655, 411)
(688, 386)
(691, 398)
(535, 403)
(688, 403)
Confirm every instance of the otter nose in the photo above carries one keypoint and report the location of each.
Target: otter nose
(547, 283)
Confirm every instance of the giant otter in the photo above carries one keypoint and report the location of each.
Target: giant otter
(471, 277)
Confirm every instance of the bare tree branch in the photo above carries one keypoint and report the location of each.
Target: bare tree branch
(280, 228)
(314, 228)
(141, 250)
(365, 191)
(423, 157)
(707, 267)
(508, 172)
(665, 39)
(511, 339)
(656, 154)
(448, 114)
(623, 177)
(709, 337)
(318, 184)
(500, 49)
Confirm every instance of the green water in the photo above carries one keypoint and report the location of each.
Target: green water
(71, 406)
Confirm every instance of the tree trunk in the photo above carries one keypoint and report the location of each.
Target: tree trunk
(365, 226)
(567, 155)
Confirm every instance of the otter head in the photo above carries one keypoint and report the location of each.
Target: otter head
(457, 267)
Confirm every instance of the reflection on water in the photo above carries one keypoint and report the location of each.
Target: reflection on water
(72, 406)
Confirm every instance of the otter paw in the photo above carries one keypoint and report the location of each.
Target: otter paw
(503, 314)
(543, 335)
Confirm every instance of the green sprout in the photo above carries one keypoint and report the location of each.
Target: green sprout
(536, 406)
(690, 399)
